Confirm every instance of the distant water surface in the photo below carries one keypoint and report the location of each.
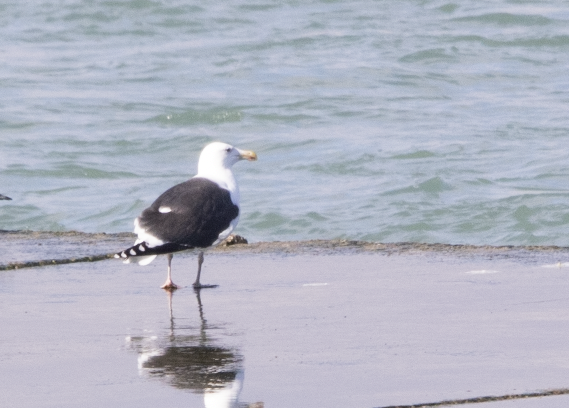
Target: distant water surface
(424, 121)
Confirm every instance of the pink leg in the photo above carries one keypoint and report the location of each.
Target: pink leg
(197, 283)
(169, 285)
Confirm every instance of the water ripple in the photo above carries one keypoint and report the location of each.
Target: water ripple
(427, 121)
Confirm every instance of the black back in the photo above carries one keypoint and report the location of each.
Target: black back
(201, 210)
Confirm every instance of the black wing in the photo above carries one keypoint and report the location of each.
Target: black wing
(200, 211)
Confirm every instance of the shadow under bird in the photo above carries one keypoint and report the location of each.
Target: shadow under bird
(196, 214)
(3, 197)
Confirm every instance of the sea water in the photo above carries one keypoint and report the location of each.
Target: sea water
(425, 121)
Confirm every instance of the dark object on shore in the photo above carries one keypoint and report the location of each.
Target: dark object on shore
(234, 239)
(197, 214)
(3, 197)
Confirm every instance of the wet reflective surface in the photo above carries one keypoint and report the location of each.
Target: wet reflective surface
(191, 358)
(284, 331)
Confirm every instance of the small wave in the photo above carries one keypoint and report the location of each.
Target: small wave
(276, 223)
(419, 154)
(360, 166)
(434, 54)
(507, 19)
(195, 117)
(432, 185)
(69, 171)
(553, 41)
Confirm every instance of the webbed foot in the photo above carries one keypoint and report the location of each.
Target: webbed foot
(169, 285)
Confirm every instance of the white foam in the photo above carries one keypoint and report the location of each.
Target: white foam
(556, 265)
(482, 272)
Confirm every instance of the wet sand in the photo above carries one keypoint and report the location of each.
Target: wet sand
(311, 324)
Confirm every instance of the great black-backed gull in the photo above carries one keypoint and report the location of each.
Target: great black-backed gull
(198, 213)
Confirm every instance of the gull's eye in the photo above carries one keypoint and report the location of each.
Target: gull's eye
(228, 149)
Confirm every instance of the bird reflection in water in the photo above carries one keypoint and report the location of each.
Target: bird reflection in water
(194, 362)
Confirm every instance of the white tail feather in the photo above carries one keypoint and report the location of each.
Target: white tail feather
(145, 260)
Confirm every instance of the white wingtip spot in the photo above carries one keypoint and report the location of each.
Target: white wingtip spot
(123, 255)
(164, 209)
(141, 248)
(132, 252)
(117, 256)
